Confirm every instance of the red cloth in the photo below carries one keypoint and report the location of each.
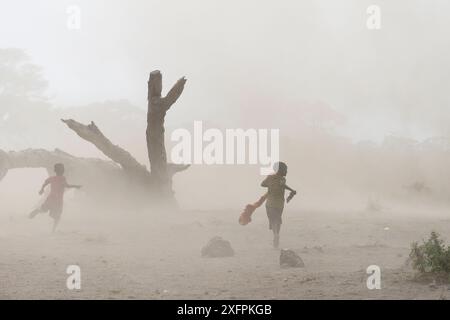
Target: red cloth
(246, 215)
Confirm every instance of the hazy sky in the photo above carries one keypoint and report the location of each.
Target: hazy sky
(245, 58)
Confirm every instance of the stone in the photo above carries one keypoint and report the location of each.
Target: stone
(289, 259)
(217, 247)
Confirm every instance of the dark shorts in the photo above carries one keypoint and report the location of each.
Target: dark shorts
(274, 215)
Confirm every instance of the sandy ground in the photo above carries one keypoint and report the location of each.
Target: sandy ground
(130, 256)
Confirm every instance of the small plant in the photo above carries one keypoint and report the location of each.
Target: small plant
(431, 257)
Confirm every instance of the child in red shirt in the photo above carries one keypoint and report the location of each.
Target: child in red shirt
(54, 202)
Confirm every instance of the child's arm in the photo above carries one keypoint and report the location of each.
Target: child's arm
(291, 194)
(288, 188)
(46, 182)
(72, 186)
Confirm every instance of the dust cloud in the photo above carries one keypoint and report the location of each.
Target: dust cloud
(363, 119)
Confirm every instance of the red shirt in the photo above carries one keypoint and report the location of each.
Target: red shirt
(57, 186)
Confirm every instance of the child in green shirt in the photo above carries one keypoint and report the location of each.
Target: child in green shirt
(276, 185)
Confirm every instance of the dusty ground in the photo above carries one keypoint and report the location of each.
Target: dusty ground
(141, 258)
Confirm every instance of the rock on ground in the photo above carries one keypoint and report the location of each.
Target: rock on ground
(217, 247)
(289, 259)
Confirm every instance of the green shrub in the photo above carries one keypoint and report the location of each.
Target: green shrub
(431, 257)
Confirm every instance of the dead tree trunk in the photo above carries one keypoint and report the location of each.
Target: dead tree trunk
(158, 181)
(157, 108)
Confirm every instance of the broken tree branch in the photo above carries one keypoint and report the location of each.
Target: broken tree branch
(117, 154)
(173, 168)
(39, 158)
(174, 93)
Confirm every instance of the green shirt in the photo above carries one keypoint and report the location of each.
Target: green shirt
(276, 186)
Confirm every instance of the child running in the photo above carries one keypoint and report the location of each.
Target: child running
(54, 202)
(276, 185)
